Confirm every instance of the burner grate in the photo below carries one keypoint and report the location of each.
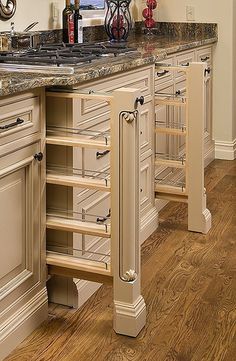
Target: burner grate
(62, 54)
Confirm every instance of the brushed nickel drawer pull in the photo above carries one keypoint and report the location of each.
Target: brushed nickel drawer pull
(102, 154)
(185, 64)
(162, 73)
(11, 125)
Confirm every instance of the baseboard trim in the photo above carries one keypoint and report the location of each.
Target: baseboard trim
(225, 150)
(16, 328)
(209, 154)
(129, 319)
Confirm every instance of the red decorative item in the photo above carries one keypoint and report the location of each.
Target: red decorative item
(148, 15)
(151, 4)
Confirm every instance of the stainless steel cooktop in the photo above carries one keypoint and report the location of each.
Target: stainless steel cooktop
(60, 58)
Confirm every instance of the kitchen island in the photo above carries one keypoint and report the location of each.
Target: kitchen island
(22, 167)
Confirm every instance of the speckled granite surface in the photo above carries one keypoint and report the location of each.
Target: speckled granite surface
(151, 49)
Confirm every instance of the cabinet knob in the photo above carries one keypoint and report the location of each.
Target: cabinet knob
(140, 100)
(38, 156)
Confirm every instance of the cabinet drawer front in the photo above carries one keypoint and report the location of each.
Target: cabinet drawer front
(140, 79)
(92, 202)
(91, 159)
(205, 55)
(183, 59)
(162, 78)
(19, 120)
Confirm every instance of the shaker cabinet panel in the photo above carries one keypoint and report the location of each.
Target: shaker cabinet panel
(20, 199)
(13, 224)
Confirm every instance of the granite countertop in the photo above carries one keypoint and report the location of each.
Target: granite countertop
(151, 49)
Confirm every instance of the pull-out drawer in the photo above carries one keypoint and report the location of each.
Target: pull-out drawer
(19, 119)
(163, 114)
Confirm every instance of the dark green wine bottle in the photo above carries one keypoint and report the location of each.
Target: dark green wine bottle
(68, 24)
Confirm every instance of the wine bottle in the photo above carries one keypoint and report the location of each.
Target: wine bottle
(68, 24)
(78, 23)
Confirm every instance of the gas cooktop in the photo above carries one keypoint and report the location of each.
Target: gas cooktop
(60, 58)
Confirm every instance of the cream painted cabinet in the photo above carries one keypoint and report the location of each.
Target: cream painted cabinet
(175, 82)
(23, 297)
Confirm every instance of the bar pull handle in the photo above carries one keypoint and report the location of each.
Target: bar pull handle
(205, 59)
(162, 73)
(185, 64)
(102, 154)
(11, 125)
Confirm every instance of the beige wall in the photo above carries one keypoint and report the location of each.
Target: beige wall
(220, 12)
(234, 69)
(29, 11)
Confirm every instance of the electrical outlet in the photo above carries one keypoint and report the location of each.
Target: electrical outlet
(190, 13)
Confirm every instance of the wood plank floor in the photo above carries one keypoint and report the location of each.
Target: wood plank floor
(188, 282)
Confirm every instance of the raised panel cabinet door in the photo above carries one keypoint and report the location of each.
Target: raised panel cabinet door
(20, 244)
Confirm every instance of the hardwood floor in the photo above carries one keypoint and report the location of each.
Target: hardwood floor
(188, 282)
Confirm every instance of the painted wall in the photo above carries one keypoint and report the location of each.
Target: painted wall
(234, 70)
(224, 99)
(29, 11)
